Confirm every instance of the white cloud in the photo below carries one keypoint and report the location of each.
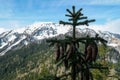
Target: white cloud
(112, 26)
(2, 30)
(11, 24)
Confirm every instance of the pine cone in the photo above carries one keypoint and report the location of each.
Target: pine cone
(57, 51)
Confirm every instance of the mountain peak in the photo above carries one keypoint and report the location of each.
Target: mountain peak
(41, 30)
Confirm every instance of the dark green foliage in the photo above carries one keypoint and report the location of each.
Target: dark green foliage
(74, 19)
(73, 59)
(14, 64)
(18, 64)
(117, 69)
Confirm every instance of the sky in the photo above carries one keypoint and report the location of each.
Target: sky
(21, 13)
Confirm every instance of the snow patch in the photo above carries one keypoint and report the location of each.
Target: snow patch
(3, 45)
(3, 52)
(112, 44)
(20, 30)
(11, 38)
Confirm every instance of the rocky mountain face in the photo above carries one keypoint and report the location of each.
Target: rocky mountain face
(15, 39)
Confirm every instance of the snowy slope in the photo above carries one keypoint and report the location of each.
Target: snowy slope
(43, 30)
(32, 33)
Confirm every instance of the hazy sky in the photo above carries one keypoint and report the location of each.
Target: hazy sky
(20, 13)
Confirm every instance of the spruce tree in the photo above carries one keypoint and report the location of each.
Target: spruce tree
(68, 53)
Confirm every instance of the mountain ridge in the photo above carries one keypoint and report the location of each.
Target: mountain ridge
(44, 30)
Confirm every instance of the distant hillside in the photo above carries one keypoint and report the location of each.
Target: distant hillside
(31, 62)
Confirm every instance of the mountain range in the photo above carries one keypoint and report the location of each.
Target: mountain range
(15, 39)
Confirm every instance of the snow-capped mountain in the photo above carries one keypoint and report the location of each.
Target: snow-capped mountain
(33, 33)
(36, 32)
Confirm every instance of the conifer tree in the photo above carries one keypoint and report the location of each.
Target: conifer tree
(68, 53)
